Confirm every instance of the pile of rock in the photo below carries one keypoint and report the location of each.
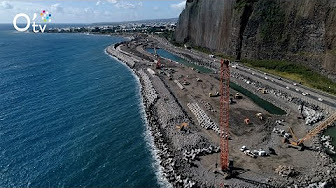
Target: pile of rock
(148, 89)
(318, 185)
(311, 116)
(281, 132)
(188, 140)
(166, 156)
(279, 122)
(326, 142)
(203, 119)
(285, 171)
(121, 55)
(324, 174)
(189, 156)
(253, 153)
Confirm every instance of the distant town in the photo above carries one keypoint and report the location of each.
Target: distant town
(129, 27)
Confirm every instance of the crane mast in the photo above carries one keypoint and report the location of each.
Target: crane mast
(224, 113)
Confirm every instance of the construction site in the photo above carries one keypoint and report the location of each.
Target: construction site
(209, 133)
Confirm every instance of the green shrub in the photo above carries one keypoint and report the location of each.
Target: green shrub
(295, 72)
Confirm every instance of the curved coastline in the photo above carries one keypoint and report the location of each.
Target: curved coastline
(149, 133)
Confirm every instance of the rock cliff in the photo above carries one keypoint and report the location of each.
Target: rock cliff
(302, 31)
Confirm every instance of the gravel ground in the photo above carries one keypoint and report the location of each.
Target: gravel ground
(187, 156)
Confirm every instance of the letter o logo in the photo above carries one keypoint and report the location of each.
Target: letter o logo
(15, 24)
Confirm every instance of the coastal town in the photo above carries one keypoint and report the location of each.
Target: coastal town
(167, 25)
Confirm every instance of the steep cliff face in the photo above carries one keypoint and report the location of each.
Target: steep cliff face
(302, 31)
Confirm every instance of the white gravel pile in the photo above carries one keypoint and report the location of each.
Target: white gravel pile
(312, 116)
(203, 119)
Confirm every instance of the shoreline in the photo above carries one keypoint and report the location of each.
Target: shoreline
(148, 134)
(171, 161)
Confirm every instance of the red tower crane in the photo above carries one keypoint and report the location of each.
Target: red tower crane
(158, 64)
(224, 113)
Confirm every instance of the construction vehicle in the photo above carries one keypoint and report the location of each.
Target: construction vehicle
(214, 95)
(298, 143)
(185, 83)
(292, 133)
(262, 90)
(260, 116)
(271, 151)
(238, 96)
(247, 121)
(170, 77)
(182, 127)
(232, 101)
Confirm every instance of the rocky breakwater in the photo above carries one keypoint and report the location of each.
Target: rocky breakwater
(324, 176)
(115, 51)
(326, 142)
(164, 117)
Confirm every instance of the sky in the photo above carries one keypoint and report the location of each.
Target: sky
(92, 11)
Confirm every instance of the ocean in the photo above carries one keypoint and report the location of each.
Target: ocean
(70, 115)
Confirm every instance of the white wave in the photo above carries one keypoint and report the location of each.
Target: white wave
(162, 181)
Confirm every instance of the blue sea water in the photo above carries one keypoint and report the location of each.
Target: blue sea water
(70, 115)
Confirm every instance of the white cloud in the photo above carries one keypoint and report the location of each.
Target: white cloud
(107, 13)
(179, 6)
(57, 8)
(88, 10)
(6, 5)
(112, 1)
(120, 4)
(156, 8)
(127, 5)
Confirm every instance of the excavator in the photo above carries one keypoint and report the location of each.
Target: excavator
(182, 127)
(298, 143)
